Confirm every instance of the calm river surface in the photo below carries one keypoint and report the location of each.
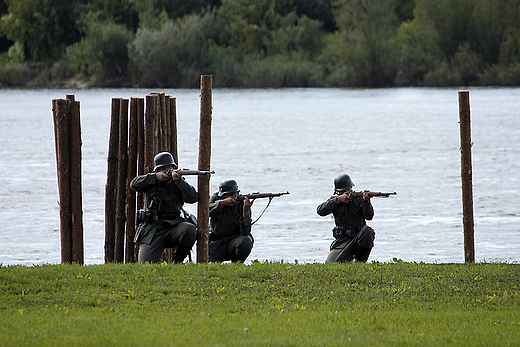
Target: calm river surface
(271, 140)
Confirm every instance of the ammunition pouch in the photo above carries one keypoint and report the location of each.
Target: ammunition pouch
(340, 232)
(144, 216)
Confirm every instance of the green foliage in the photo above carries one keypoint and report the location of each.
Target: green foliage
(262, 304)
(173, 56)
(44, 27)
(103, 52)
(261, 43)
(14, 74)
(116, 11)
(278, 72)
(294, 34)
(370, 26)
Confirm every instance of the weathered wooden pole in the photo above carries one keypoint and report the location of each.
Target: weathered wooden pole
(62, 138)
(140, 159)
(173, 126)
(111, 186)
(122, 172)
(75, 183)
(204, 164)
(140, 147)
(67, 132)
(132, 171)
(466, 175)
(149, 134)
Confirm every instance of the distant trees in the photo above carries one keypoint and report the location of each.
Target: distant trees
(44, 27)
(261, 43)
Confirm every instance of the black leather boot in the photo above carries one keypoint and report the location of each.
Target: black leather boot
(362, 254)
(180, 254)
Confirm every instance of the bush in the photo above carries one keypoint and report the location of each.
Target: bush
(102, 53)
(500, 75)
(280, 71)
(173, 56)
(14, 74)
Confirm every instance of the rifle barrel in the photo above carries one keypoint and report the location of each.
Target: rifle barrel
(372, 194)
(261, 195)
(185, 172)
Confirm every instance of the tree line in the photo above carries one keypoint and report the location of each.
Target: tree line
(260, 43)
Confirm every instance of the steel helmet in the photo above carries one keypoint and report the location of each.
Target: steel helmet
(163, 159)
(342, 182)
(227, 186)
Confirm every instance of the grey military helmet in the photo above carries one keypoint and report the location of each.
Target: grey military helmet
(163, 159)
(227, 186)
(342, 182)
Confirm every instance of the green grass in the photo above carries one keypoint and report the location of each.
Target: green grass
(263, 304)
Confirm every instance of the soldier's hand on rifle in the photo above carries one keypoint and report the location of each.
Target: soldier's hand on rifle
(344, 197)
(175, 175)
(366, 197)
(247, 207)
(162, 176)
(228, 201)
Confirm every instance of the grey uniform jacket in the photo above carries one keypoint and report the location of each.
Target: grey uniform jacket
(172, 196)
(351, 216)
(228, 222)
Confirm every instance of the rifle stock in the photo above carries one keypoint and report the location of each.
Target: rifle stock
(260, 195)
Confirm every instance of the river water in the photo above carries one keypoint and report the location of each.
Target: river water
(275, 140)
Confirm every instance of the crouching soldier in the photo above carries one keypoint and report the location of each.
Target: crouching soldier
(230, 224)
(161, 224)
(353, 238)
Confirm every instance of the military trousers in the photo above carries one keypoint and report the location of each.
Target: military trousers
(181, 236)
(357, 247)
(235, 249)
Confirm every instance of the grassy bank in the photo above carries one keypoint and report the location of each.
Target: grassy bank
(395, 304)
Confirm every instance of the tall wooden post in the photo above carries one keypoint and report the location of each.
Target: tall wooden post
(132, 171)
(140, 146)
(67, 131)
(149, 133)
(466, 175)
(75, 183)
(206, 110)
(173, 126)
(122, 171)
(62, 133)
(111, 186)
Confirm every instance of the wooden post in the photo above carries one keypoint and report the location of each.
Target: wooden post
(140, 146)
(173, 126)
(67, 132)
(111, 186)
(132, 171)
(75, 183)
(140, 159)
(62, 138)
(149, 134)
(122, 171)
(466, 175)
(204, 164)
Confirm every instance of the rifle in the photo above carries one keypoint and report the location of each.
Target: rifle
(260, 195)
(186, 172)
(371, 194)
